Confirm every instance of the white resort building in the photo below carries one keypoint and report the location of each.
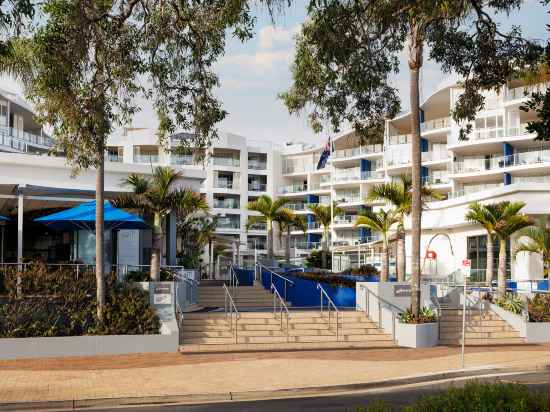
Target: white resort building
(499, 161)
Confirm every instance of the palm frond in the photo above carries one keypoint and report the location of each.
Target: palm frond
(139, 183)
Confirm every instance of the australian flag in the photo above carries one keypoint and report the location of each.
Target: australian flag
(324, 156)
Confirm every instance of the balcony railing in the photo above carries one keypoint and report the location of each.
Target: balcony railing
(297, 188)
(474, 189)
(257, 165)
(346, 175)
(257, 187)
(296, 206)
(524, 91)
(542, 179)
(226, 161)
(345, 220)
(182, 160)
(231, 224)
(372, 174)
(306, 245)
(258, 227)
(435, 180)
(226, 204)
(429, 125)
(146, 159)
(297, 168)
(348, 198)
(33, 139)
(517, 159)
(313, 225)
(358, 151)
(430, 156)
(111, 157)
(226, 184)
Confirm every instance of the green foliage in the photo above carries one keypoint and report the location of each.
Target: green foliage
(332, 279)
(426, 315)
(474, 397)
(58, 303)
(539, 308)
(511, 303)
(366, 270)
(166, 275)
(536, 239)
(315, 259)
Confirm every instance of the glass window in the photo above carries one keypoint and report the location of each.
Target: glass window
(491, 122)
(477, 253)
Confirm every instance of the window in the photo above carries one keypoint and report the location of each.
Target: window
(477, 253)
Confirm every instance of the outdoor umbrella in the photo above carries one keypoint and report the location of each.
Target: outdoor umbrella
(3, 218)
(83, 217)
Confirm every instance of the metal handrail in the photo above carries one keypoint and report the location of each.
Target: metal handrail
(277, 299)
(435, 301)
(395, 310)
(286, 280)
(330, 303)
(233, 280)
(230, 308)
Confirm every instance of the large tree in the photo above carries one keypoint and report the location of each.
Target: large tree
(348, 50)
(87, 61)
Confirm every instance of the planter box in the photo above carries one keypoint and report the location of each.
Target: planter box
(422, 335)
(533, 332)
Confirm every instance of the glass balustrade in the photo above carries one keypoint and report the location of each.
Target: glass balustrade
(527, 157)
(226, 161)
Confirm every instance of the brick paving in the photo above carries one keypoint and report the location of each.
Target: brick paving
(180, 374)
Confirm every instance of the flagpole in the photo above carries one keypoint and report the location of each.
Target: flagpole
(331, 206)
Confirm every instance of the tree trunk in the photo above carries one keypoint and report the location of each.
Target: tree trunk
(324, 248)
(415, 64)
(385, 263)
(270, 240)
(401, 254)
(490, 260)
(156, 248)
(210, 260)
(287, 246)
(502, 268)
(99, 235)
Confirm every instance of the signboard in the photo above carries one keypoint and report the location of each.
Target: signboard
(189, 274)
(466, 267)
(402, 291)
(162, 294)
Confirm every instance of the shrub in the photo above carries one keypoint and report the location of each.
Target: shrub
(475, 396)
(539, 308)
(144, 275)
(365, 270)
(426, 315)
(511, 303)
(315, 260)
(57, 303)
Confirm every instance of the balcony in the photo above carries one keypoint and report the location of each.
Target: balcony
(257, 165)
(296, 188)
(229, 224)
(306, 245)
(345, 220)
(542, 179)
(296, 206)
(257, 187)
(404, 159)
(226, 204)
(474, 189)
(435, 124)
(182, 160)
(146, 158)
(112, 157)
(25, 137)
(313, 226)
(524, 158)
(524, 91)
(258, 227)
(226, 184)
(435, 180)
(358, 151)
(347, 175)
(348, 198)
(226, 161)
(372, 175)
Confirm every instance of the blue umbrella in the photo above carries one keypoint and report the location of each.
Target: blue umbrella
(83, 217)
(4, 218)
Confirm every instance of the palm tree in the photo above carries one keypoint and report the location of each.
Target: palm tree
(324, 216)
(269, 210)
(486, 216)
(288, 221)
(508, 222)
(381, 221)
(206, 236)
(536, 239)
(156, 197)
(399, 195)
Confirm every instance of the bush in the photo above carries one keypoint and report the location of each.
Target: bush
(56, 303)
(166, 275)
(475, 397)
(363, 270)
(426, 315)
(333, 280)
(511, 303)
(539, 308)
(315, 259)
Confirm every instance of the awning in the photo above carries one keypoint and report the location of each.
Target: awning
(83, 217)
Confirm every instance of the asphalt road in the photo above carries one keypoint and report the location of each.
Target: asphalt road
(338, 403)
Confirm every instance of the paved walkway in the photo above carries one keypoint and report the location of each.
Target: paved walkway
(177, 374)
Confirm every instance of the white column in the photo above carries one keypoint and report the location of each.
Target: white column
(20, 228)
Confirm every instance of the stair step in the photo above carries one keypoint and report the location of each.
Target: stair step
(283, 339)
(242, 347)
(483, 341)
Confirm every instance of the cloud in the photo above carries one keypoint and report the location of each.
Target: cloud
(271, 37)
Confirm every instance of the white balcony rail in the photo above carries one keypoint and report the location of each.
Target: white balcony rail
(524, 91)
(182, 160)
(226, 204)
(435, 180)
(528, 157)
(306, 245)
(257, 187)
(474, 189)
(358, 151)
(26, 137)
(345, 220)
(257, 165)
(146, 158)
(229, 224)
(296, 188)
(225, 161)
(372, 174)
(435, 124)
(226, 184)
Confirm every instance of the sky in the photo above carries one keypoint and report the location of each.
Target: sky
(253, 73)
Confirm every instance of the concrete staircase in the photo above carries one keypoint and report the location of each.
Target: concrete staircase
(262, 330)
(245, 297)
(481, 329)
